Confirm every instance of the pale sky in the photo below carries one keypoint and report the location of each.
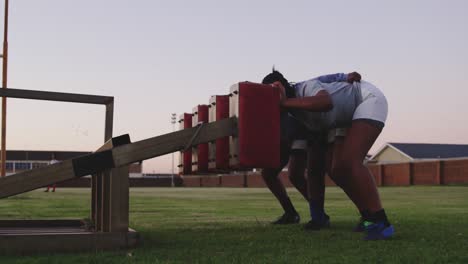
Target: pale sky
(162, 57)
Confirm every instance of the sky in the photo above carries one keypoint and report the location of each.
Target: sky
(161, 57)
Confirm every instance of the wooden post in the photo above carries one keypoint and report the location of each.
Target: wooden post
(96, 203)
(119, 199)
(99, 200)
(105, 200)
(4, 85)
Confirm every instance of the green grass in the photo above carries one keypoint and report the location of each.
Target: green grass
(214, 225)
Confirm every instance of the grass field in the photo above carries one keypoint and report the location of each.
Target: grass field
(223, 225)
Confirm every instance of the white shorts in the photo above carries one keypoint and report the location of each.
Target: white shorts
(374, 104)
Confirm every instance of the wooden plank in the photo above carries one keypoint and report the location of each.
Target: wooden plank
(106, 201)
(56, 96)
(119, 199)
(40, 230)
(104, 184)
(37, 178)
(62, 241)
(97, 187)
(41, 223)
(109, 121)
(109, 191)
(97, 201)
(116, 157)
(62, 171)
(115, 142)
(172, 142)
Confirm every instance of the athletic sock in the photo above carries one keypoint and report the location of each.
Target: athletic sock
(365, 214)
(288, 207)
(379, 216)
(317, 212)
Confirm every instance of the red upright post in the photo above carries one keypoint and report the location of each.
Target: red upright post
(219, 149)
(200, 152)
(185, 166)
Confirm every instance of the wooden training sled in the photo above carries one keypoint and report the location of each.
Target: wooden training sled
(251, 130)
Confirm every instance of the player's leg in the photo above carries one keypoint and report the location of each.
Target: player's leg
(316, 167)
(297, 166)
(274, 184)
(333, 156)
(357, 180)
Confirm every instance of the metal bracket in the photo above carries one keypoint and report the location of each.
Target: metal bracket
(195, 135)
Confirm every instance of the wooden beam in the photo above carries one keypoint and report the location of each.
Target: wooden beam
(104, 225)
(103, 185)
(173, 142)
(119, 199)
(97, 180)
(37, 178)
(115, 142)
(116, 157)
(40, 236)
(56, 96)
(62, 171)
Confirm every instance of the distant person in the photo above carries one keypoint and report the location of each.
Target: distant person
(358, 106)
(53, 186)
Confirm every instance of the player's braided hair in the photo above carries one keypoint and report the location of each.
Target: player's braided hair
(276, 76)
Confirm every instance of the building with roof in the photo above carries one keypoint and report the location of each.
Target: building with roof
(408, 152)
(22, 160)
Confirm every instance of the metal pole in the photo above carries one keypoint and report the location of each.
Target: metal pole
(173, 121)
(4, 86)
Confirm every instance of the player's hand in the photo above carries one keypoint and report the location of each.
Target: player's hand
(354, 77)
(281, 90)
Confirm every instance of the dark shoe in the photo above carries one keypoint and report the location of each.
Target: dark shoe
(360, 227)
(315, 225)
(378, 231)
(287, 219)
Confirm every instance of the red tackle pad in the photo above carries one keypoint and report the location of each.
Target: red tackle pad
(185, 161)
(200, 152)
(218, 149)
(257, 144)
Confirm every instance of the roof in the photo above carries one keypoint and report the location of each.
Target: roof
(42, 155)
(431, 151)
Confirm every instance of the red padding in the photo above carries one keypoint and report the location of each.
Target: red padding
(258, 112)
(222, 144)
(201, 159)
(186, 157)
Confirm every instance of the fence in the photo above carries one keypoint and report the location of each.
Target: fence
(438, 172)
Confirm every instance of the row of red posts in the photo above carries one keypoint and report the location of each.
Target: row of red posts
(256, 144)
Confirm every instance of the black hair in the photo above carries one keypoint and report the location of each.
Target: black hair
(276, 76)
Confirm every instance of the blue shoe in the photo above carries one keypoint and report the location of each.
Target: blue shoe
(378, 231)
